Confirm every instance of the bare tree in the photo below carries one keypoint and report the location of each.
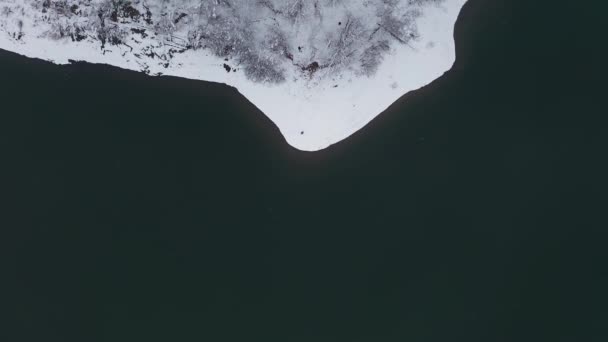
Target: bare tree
(267, 38)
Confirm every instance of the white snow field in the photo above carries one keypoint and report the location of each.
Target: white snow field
(319, 69)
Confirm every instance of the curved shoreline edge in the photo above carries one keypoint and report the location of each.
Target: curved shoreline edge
(311, 114)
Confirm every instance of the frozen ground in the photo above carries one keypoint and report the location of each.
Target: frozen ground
(319, 69)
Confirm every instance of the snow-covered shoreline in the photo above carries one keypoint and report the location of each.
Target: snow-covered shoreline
(312, 114)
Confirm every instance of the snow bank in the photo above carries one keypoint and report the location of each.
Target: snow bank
(311, 111)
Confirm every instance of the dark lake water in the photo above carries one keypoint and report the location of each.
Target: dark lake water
(162, 209)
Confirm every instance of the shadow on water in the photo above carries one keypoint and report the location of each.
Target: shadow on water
(163, 209)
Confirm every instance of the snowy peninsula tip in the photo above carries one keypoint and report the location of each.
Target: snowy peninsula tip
(319, 69)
